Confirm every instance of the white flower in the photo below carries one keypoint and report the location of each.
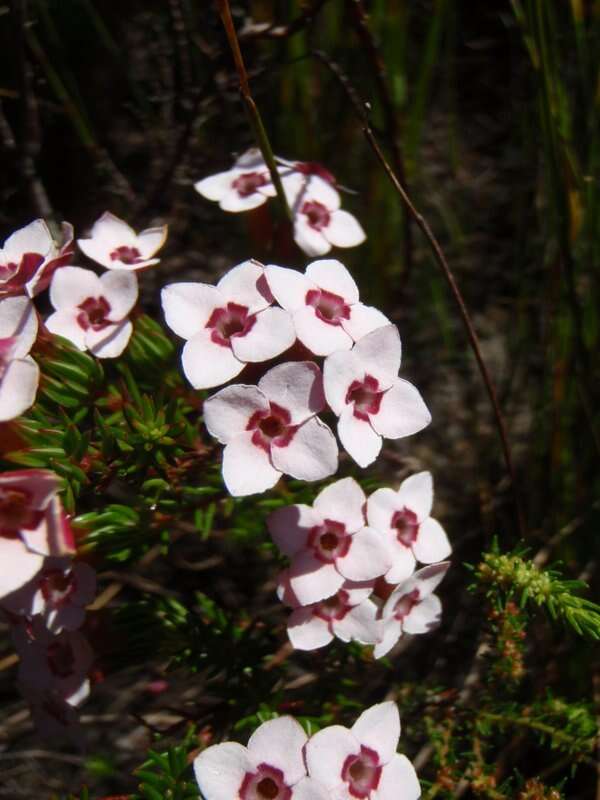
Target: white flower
(348, 615)
(319, 222)
(227, 325)
(412, 607)
(363, 388)
(19, 374)
(62, 590)
(92, 311)
(271, 767)
(362, 762)
(245, 186)
(325, 306)
(30, 256)
(115, 245)
(403, 517)
(328, 542)
(272, 429)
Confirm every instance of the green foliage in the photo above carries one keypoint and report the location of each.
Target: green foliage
(167, 775)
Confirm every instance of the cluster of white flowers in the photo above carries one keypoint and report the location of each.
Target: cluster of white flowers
(44, 593)
(282, 763)
(310, 190)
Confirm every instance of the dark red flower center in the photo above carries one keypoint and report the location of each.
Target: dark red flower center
(333, 608)
(267, 783)
(329, 541)
(126, 255)
(407, 526)
(366, 397)
(233, 320)
(14, 276)
(271, 427)
(329, 307)
(317, 215)
(405, 604)
(57, 587)
(15, 510)
(247, 183)
(362, 772)
(314, 168)
(61, 659)
(93, 314)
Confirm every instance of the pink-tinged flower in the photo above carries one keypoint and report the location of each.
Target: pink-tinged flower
(271, 767)
(32, 525)
(245, 186)
(272, 429)
(19, 374)
(227, 325)
(30, 257)
(363, 388)
(115, 245)
(328, 542)
(319, 222)
(324, 304)
(403, 517)
(362, 762)
(348, 615)
(412, 607)
(92, 311)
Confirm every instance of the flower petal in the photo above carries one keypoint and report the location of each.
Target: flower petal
(381, 507)
(188, 306)
(359, 625)
(319, 336)
(226, 413)
(64, 323)
(19, 565)
(402, 411)
(380, 353)
(416, 493)
(279, 743)
(246, 467)
(307, 632)
(312, 580)
(207, 364)
(403, 561)
(296, 386)
(220, 770)
(339, 371)
(344, 230)
(215, 187)
(309, 240)
(424, 616)
(392, 631)
(244, 284)
(72, 285)
(272, 333)
(363, 320)
(367, 558)
(110, 341)
(359, 439)
(18, 388)
(326, 753)
(379, 728)
(289, 287)
(151, 240)
(18, 318)
(426, 580)
(33, 238)
(311, 454)
(290, 526)
(331, 275)
(121, 291)
(309, 789)
(432, 544)
(342, 501)
(398, 779)
(235, 203)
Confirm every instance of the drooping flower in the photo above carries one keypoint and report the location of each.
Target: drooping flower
(412, 607)
(227, 325)
(328, 542)
(363, 388)
(115, 245)
(245, 186)
(362, 762)
(32, 525)
(271, 767)
(92, 311)
(324, 304)
(272, 429)
(319, 222)
(19, 374)
(348, 614)
(403, 517)
(30, 257)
